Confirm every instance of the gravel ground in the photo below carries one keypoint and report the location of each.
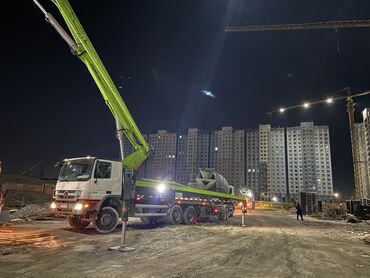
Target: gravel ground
(273, 244)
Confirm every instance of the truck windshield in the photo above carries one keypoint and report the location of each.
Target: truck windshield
(76, 170)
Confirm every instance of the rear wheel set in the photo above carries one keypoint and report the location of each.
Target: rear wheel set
(175, 215)
(190, 215)
(178, 215)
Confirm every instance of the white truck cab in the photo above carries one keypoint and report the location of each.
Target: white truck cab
(85, 185)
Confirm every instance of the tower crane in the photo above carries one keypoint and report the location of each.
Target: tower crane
(359, 188)
(301, 26)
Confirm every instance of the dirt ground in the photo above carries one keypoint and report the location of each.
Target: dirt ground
(273, 244)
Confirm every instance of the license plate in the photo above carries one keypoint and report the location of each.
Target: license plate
(63, 206)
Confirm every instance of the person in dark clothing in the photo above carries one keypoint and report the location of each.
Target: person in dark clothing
(299, 211)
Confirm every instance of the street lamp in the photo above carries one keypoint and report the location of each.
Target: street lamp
(282, 110)
(329, 100)
(275, 199)
(336, 197)
(306, 105)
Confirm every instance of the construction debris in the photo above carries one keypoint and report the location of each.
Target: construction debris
(334, 211)
(30, 212)
(6, 251)
(353, 219)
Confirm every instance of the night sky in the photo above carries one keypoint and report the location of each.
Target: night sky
(162, 54)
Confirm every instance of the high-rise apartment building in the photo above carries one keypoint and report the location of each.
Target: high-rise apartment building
(364, 156)
(181, 159)
(252, 161)
(162, 161)
(324, 176)
(197, 152)
(214, 149)
(265, 162)
(361, 157)
(309, 160)
(277, 164)
(228, 155)
(264, 169)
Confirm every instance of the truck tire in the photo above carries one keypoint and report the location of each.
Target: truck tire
(190, 215)
(107, 220)
(175, 215)
(77, 223)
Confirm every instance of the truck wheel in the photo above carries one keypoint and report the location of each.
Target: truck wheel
(107, 220)
(77, 223)
(175, 215)
(189, 215)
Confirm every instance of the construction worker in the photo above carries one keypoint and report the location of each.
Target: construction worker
(299, 211)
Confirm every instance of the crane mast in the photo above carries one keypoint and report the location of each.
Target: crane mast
(82, 48)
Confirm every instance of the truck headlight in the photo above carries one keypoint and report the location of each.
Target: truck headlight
(161, 188)
(53, 205)
(78, 207)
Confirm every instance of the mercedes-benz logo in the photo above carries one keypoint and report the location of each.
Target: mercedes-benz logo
(65, 195)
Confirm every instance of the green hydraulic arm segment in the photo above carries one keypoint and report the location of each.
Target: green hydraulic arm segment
(82, 47)
(182, 188)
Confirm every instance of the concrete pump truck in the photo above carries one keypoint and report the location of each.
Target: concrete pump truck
(100, 191)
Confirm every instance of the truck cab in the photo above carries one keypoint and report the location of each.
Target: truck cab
(85, 186)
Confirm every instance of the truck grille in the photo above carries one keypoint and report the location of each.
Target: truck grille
(67, 195)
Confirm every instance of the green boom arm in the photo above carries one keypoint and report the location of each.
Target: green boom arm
(82, 47)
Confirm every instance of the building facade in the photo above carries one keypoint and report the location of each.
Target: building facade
(273, 162)
(162, 161)
(227, 155)
(364, 155)
(197, 152)
(324, 173)
(181, 159)
(309, 161)
(264, 163)
(252, 161)
(277, 165)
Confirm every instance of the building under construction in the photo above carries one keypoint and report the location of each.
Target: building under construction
(361, 155)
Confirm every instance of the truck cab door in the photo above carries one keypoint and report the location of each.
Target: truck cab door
(102, 182)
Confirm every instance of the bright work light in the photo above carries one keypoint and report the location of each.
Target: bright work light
(161, 188)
